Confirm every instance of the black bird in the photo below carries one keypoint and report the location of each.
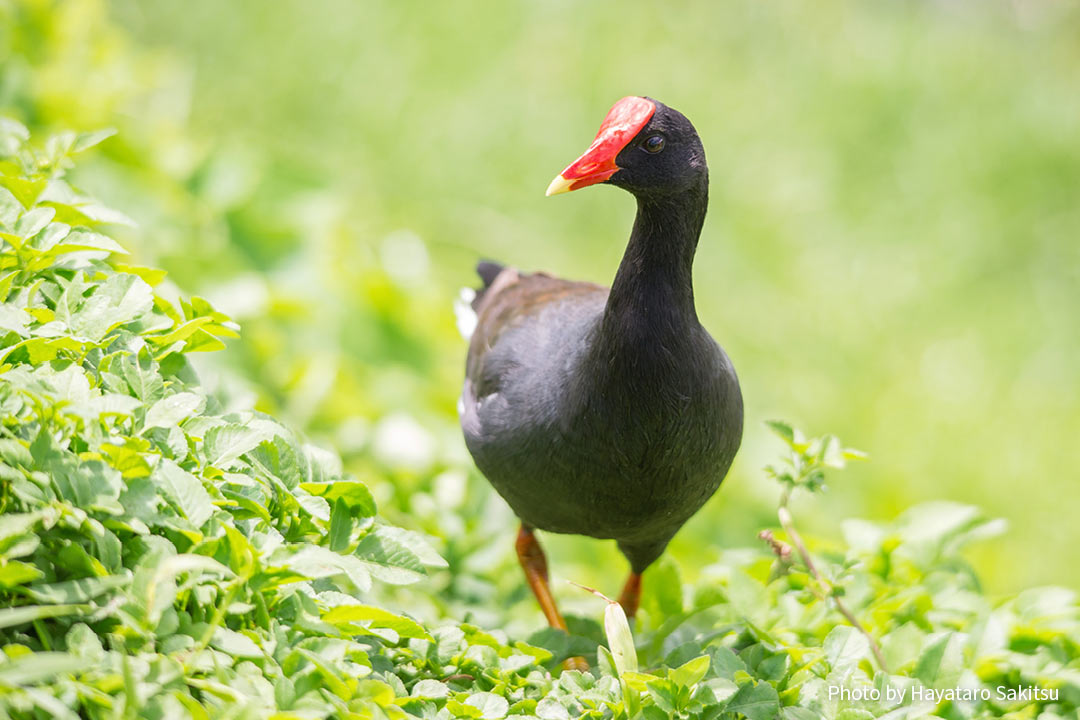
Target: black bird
(607, 413)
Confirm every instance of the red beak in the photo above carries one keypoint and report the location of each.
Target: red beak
(623, 122)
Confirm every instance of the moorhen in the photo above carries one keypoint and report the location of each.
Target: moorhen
(611, 414)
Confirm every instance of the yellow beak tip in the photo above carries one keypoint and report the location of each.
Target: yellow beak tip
(558, 185)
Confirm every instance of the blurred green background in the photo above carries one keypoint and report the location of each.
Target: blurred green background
(891, 253)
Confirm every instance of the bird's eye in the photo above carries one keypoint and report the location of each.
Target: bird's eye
(654, 144)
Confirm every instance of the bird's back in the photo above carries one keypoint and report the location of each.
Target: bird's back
(531, 333)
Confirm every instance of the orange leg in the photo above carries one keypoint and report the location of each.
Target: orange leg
(630, 597)
(533, 562)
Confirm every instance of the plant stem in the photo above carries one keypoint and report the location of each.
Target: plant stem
(787, 522)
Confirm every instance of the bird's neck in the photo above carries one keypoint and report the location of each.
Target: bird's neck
(652, 297)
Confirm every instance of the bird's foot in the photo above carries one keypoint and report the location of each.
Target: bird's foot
(576, 663)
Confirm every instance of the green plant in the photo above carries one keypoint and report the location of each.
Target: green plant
(162, 556)
(805, 468)
(158, 553)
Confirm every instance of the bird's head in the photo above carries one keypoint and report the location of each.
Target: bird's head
(643, 146)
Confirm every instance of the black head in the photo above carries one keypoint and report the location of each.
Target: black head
(666, 156)
(643, 146)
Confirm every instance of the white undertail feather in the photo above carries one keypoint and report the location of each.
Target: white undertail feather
(463, 311)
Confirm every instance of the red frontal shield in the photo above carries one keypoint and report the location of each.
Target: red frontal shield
(623, 122)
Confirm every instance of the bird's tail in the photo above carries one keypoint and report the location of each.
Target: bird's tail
(488, 271)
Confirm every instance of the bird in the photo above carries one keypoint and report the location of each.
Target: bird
(609, 413)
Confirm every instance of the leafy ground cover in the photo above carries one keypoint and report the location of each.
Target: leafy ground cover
(165, 556)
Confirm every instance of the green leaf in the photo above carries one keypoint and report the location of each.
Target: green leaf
(316, 507)
(490, 705)
(33, 221)
(551, 709)
(181, 332)
(605, 662)
(854, 714)
(235, 643)
(25, 190)
(782, 429)
(173, 409)
(15, 320)
(933, 522)
(15, 525)
(128, 460)
(13, 134)
(724, 663)
(902, 646)
(388, 559)
(430, 689)
(119, 300)
(185, 490)
(932, 664)
(143, 377)
(757, 701)
(162, 589)
(151, 276)
(14, 572)
(844, 648)
(330, 674)
(10, 617)
(76, 591)
(82, 240)
(316, 562)
(110, 404)
(49, 703)
(665, 696)
(87, 140)
(223, 445)
(202, 341)
(82, 641)
(414, 542)
(341, 525)
(40, 667)
(690, 673)
(620, 639)
(278, 458)
(194, 707)
(10, 207)
(355, 495)
(345, 615)
(832, 453)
